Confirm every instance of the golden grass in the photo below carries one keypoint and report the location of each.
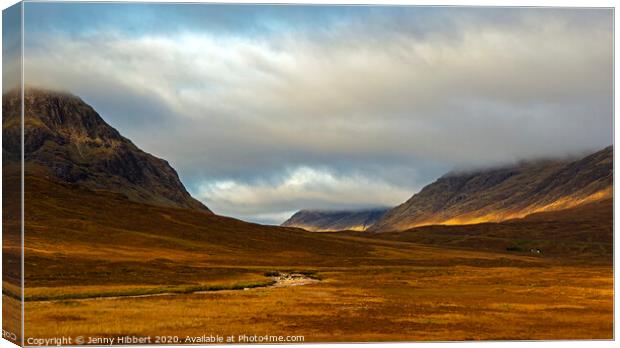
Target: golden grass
(560, 204)
(11, 318)
(96, 292)
(440, 283)
(394, 303)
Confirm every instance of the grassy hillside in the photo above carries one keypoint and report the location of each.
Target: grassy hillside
(82, 245)
(580, 234)
(509, 192)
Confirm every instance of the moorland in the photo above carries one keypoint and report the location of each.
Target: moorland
(111, 251)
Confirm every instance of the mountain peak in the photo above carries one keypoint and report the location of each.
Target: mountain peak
(66, 139)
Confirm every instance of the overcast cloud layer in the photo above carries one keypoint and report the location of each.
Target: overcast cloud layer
(265, 110)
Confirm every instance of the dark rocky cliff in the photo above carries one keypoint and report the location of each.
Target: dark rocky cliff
(66, 140)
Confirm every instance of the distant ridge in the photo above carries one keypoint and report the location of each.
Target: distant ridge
(505, 193)
(66, 140)
(335, 220)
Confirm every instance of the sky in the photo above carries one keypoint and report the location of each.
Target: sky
(267, 109)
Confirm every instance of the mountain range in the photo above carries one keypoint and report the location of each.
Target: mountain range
(509, 192)
(335, 220)
(66, 140)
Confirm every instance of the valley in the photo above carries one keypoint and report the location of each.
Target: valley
(114, 246)
(379, 287)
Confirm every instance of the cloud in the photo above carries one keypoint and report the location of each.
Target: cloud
(299, 188)
(11, 48)
(400, 95)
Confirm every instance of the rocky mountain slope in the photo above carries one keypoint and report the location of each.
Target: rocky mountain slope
(326, 220)
(505, 193)
(67, 141)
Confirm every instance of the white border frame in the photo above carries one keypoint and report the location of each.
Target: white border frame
(479, 3)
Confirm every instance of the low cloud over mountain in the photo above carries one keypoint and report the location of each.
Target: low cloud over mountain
(398, 94)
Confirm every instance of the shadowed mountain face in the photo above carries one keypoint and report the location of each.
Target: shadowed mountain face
(505, 193)
(67, 141)
(325, 220)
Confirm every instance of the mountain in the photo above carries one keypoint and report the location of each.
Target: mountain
(326, 220)
(66, 140)
(500, 194)
(584, 231)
